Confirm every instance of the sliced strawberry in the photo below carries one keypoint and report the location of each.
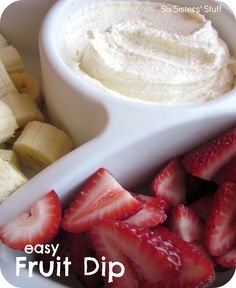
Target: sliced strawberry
(220, 232)
(76, 247)
(37, 226)
(169, 183)
(152, 213)
(227, 173)
(205, 160)
(185, 223)
(202, 206)
(144, 256)
(102, 197)
(228, 260)
(197, 269)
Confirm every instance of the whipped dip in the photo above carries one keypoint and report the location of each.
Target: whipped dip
(139, 50)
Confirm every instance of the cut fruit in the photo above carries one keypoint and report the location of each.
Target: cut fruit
(10, 179)
(227, 173)
(37, 226)
(228, 260)
(145, 257)
(40, 144)
(205, 160)
(169, 183)
(197, 269)
(11, 59)
(152, 213)
(10, 156)
(23, 107)
(185, 223)
(8, 122)
(202, 205)
(6, 85)
(220, 232)
(26, 83)
(101, 197)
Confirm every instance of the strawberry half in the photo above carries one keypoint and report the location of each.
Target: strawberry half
(228, 260)
(207, 159)
(152, 213)
(202, 206)
(169, 183)
(145, 257)
(102, 197)
(37, 226)
(185, 223)
(197, 269)
(227, 173)
(220, 232)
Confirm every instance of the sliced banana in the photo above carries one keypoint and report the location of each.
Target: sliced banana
(40, 144)
(6, 84)
(11, 59)
(3, 41)
(10, 156)
(10, 179)
(8, 122)
(26, 83)
(23, 107)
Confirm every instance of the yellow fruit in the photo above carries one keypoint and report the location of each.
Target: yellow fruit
(40, 144)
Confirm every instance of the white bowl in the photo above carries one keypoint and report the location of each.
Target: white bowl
(130, 138)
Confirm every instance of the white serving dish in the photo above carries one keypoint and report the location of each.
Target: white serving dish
(130, 138)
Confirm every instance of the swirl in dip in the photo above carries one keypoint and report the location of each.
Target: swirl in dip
(140, 50)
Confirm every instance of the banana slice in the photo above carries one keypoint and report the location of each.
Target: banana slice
(10, 179)
(26, 83)
(40, 144)
(23, 107)
(10, 156)
(3, 41)
(11, 59)
(8, 122)
(6, 85)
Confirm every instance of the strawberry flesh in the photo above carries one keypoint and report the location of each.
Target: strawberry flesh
(197, 269)
(207, 159)
(202, 206)
(102, 197)
(220, 232)
(227, 173)
(228, 260)
(145, 256)
(152, 213)
(185, 223)
(169, 183)
(37, 226)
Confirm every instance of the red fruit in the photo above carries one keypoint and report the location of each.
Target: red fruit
(102, 197)
(169, 183)
(205, 160)
(202, 206)
(145, 257)
(185, 223)
(37, 226)
(220, 232)
(227, 173)
(197, 269)
(228, 260)
(74, 246)
(152, 213)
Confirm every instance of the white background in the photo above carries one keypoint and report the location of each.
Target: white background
(3, 5)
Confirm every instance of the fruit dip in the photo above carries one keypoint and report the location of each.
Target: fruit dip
(149, 51)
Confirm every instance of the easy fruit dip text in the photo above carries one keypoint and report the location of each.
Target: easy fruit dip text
(144, 50)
